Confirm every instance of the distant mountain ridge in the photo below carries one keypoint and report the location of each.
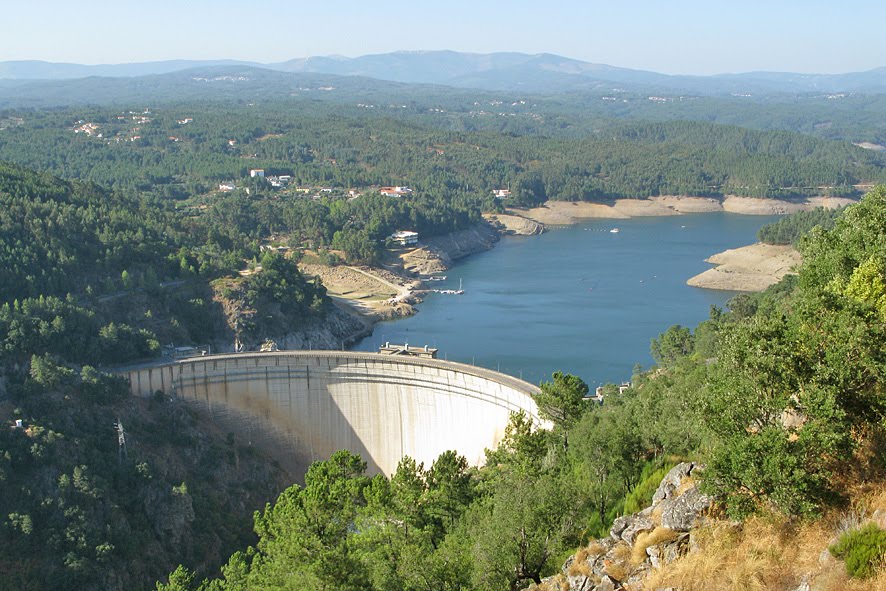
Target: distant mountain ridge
(220, 83)
(544, 72)
(40, 70)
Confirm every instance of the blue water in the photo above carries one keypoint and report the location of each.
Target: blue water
(578, 299)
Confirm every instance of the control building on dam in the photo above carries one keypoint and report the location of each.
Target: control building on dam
(301, 406)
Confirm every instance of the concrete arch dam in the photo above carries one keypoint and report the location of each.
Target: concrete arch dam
(301, 406)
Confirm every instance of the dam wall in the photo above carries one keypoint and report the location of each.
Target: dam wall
(301, 406)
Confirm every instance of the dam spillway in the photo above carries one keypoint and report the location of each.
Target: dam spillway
(301, 406)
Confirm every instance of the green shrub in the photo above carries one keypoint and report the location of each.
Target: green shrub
(640, 496)
(100, 387)
(862, 549)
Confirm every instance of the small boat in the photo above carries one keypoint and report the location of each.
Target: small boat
(613, 231)
(436, 278)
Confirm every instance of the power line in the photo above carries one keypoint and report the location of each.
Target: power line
(121, 441)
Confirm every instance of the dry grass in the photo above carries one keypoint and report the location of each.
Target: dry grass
(647, 539)
(580, 568)
(687, 483)
(867, 499)
(762, 555)
(619, 567)
(837, 580)
(621, 552)
(655, 516)
(616, 570)
(876, 498)
(557, 583)
(769, 552)
(873, 499)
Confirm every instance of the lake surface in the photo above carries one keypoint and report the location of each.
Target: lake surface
(578, 299)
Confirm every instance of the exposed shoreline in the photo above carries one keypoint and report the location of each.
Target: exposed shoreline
(750, 268)
(372, 295)
(563, 213)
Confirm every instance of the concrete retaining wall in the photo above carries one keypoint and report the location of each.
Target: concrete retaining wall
(301, 406)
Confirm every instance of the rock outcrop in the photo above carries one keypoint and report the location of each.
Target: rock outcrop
(466, 242)
(436, 254)
(338, 329)
(515, 224)
(426, 260)
(637, 543)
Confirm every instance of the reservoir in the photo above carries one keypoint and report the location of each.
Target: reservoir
(580, 299)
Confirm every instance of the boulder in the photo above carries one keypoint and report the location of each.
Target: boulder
(681, 513)
(619, 526)
(580, 583)
(628, 526)
(672, 481)
(667, 552)
(654, 554)
(592, 567)
(636, 524)
(635, 579)
(677, 505)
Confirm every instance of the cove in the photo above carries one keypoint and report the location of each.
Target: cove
(580, 299)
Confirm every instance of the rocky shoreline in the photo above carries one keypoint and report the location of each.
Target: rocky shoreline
(569, 212)
(400, 287)
(437, 254)
(364, 296)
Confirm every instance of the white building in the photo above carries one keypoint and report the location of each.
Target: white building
(404, 237)
(394, 191)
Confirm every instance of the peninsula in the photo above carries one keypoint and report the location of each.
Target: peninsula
(749, 268)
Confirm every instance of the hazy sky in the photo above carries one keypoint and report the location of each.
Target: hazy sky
(672, 36)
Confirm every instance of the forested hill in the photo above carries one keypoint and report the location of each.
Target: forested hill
(543, 107)
(791, 229)
(101, 276)
(63, 237)
(152, 151)
(82, 289)
(780, 400)
(221, 83)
